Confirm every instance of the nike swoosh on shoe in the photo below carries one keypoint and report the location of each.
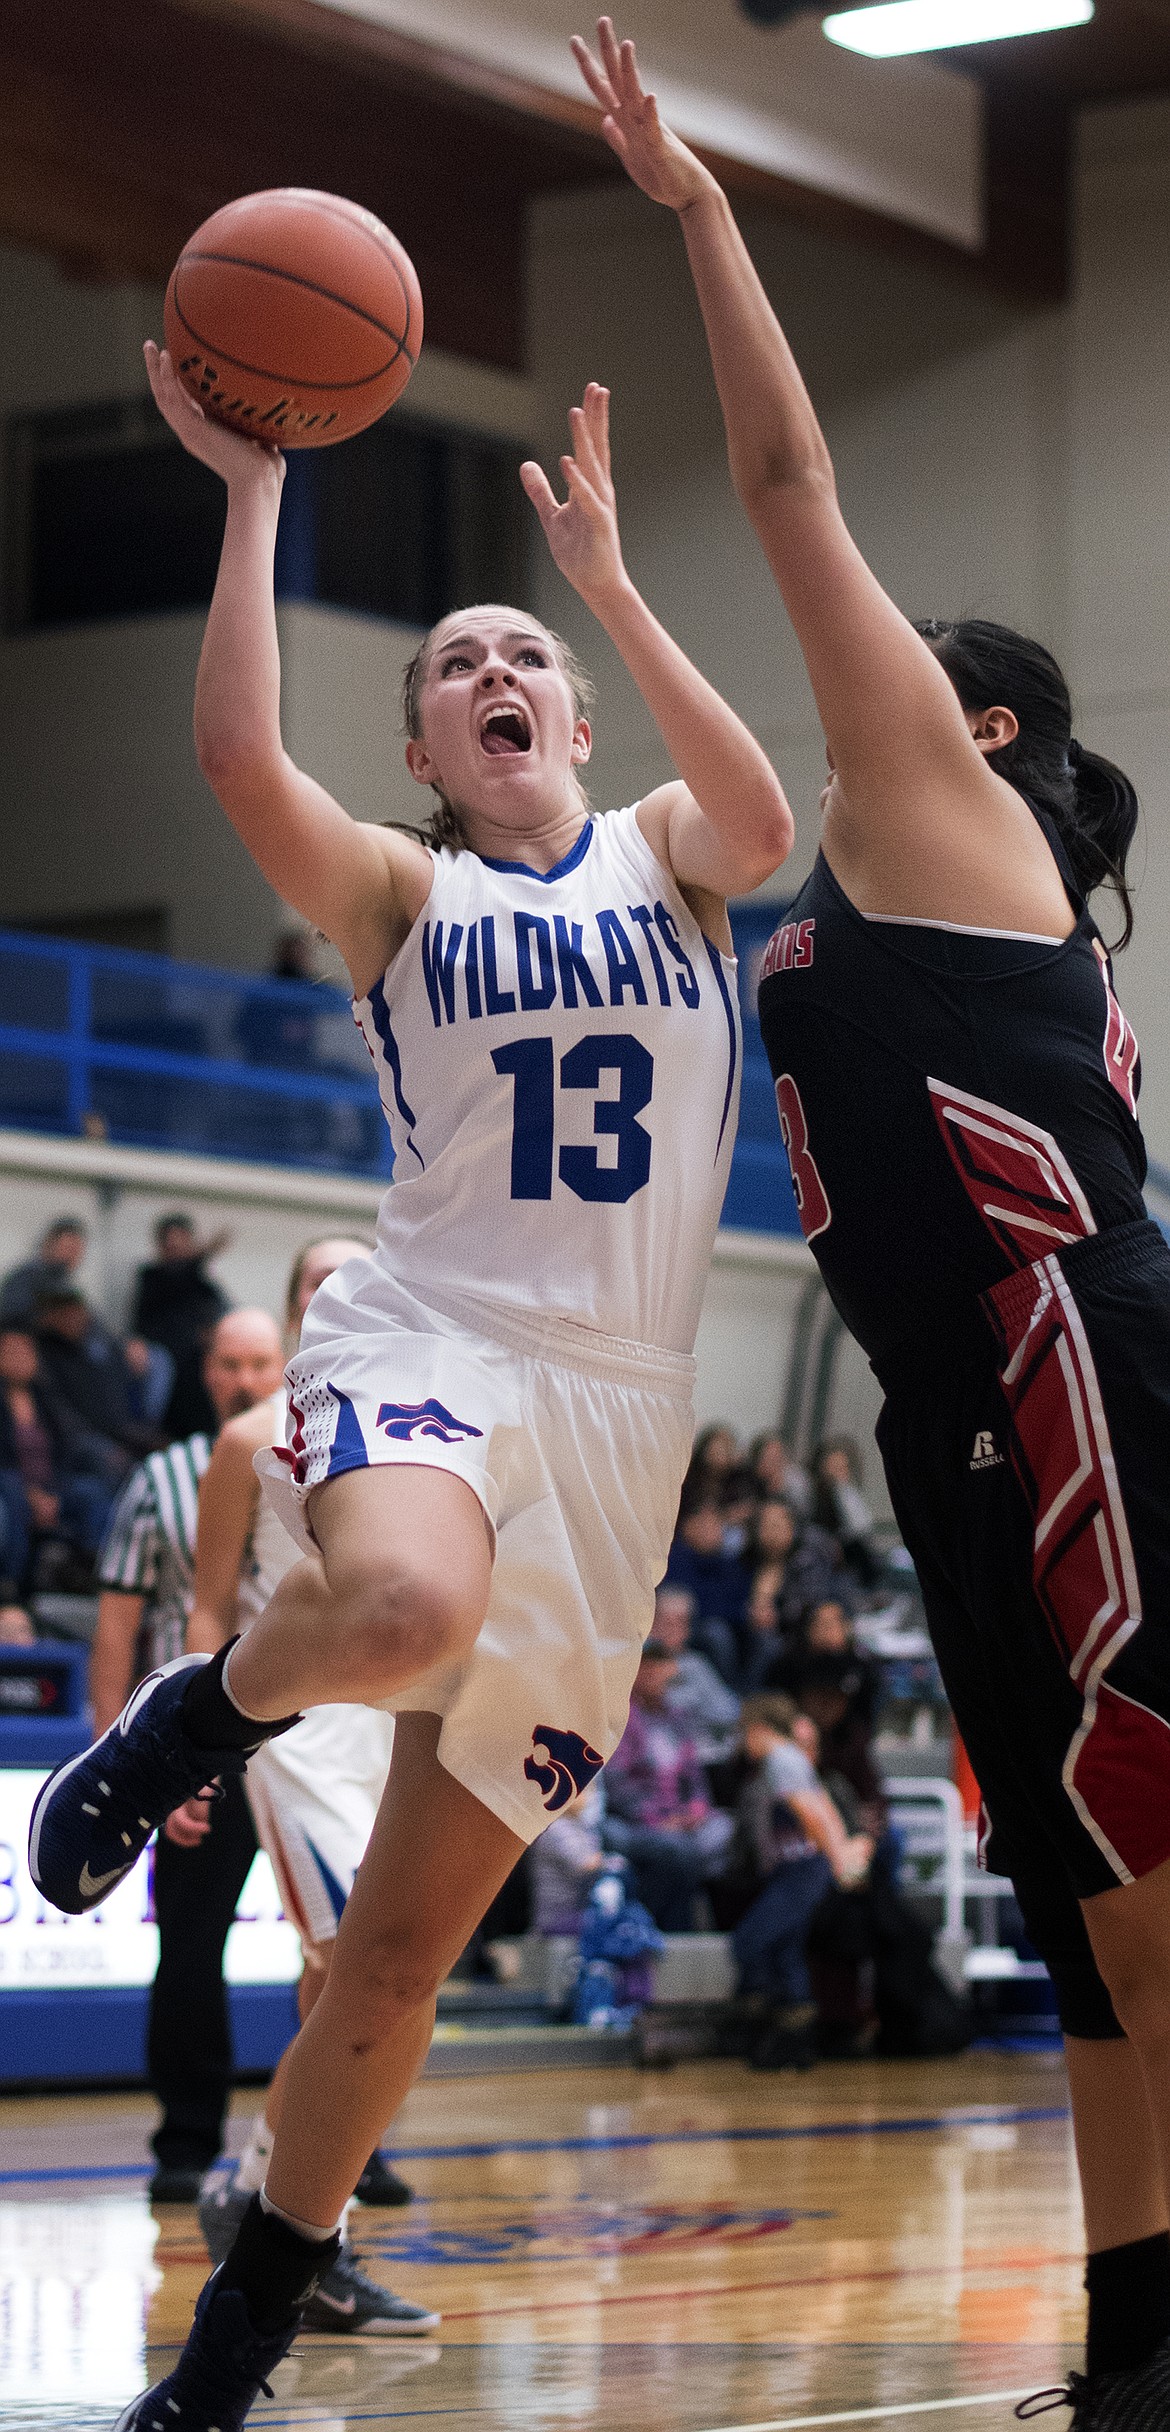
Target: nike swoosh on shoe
(92, 1886)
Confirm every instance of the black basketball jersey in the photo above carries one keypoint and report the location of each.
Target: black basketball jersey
(955, 1103)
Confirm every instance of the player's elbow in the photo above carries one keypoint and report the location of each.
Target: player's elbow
(773, 833)
(238, 770)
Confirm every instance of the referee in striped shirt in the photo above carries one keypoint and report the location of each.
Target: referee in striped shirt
(145, 1571)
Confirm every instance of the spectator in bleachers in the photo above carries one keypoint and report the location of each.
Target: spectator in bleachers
(791, 1567)
(837, 1687)
(176, 1304)
(799, 1847)
(566, 1862)
(271, 1031)
(697, 1699)
(17, 1627)
(839, 1506)
(776, 1475)
(60, 1251)
(93, 1376)
(659, 1812)
(717, 1579)
(49, 1492)
(718, 1474)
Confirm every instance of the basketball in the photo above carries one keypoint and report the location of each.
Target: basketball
(294, 317)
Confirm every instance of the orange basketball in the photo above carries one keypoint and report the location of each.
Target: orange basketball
(294, 317)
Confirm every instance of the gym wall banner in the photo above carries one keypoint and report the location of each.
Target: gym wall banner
(116, 1945)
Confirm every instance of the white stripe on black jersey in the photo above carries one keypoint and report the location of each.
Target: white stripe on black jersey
(149, 1547)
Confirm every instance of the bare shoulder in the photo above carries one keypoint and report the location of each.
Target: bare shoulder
(402, 877)
(679, 837)
(654, 814)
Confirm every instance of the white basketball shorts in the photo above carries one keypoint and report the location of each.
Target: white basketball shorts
(314, 1794)
(576, 1445)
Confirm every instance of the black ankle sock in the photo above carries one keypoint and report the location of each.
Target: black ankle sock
(274, 2268)
(1129, 2303)
(211, 1719)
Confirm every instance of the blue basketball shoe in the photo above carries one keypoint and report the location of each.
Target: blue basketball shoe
(221, 2373)
(94, 1816)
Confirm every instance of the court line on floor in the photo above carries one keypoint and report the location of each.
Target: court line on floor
(868, 2415)
(750, 2288)
(1005, 2115)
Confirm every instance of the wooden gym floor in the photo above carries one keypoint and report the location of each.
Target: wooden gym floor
(705, 2251)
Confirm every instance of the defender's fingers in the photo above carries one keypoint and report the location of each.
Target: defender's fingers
(537, 486)
(593, 73)
(630, 82)
(610, 50)
(581, 424)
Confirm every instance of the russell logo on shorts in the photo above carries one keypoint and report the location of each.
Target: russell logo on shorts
(571, 1765)
(403, 1421)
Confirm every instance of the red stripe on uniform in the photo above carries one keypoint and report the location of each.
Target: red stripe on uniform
(1117, 1769)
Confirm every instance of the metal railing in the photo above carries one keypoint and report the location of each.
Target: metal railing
(135, 1048)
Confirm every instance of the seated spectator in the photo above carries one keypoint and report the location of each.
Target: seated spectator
(565, 1863)
(718, 1474)
(176, 1305)
(60, 1251)
(777, 1476)
(48, 1488)
(840, 1507)
(17, 1627)
(701, 1562)
(697, 1699)
(659, 1812)
(799, 1849)
(94, 1377)
(837, 1687)
(271, 1031)
(791, 1566)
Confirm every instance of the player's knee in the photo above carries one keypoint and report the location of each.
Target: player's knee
(403, 1619)
(392, 1983)
(1138, 1980)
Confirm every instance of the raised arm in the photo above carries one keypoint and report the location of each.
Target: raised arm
(726, 825)
(361, 885)
(916, 806)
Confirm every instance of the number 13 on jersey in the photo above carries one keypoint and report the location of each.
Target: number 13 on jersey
(532, 1066)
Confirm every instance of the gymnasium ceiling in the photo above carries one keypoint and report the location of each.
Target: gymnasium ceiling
(122, 126)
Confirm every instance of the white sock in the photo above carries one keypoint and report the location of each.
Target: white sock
(252, 2168)
(304, 2229)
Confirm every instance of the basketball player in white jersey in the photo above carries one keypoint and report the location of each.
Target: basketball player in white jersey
(491, 1419)
(314, 1793)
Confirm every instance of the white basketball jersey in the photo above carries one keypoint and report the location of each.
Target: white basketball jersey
(558, 1056)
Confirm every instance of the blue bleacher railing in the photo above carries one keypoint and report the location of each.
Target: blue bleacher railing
(157, 1054)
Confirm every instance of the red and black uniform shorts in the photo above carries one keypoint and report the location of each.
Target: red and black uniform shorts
(1027, 1448)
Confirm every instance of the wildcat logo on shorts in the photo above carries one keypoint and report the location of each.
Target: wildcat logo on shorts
(571, 1765)
(403, 1421)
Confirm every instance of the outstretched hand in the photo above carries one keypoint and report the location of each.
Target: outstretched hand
(659, 162)
(227, 452)
(583, 533)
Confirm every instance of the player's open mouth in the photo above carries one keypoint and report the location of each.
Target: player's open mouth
(505, 729)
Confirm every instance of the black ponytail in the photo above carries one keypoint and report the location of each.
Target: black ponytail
(1090, 802)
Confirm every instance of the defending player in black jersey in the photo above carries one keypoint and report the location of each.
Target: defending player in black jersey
(956, 1086)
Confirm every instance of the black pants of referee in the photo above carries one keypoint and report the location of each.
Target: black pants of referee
(189, 2039)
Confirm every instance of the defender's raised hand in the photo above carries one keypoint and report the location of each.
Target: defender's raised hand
(659, 162)
(583, 533)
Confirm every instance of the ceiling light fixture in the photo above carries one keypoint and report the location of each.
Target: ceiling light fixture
(895, 27)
